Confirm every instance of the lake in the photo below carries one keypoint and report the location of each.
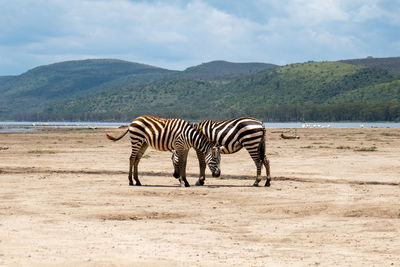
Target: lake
(12, 127)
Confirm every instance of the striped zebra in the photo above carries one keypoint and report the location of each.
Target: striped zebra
(168, 135)
(232, 135)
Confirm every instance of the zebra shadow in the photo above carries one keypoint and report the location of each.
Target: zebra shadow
(228, 186)
(160, 186)
(204, 186)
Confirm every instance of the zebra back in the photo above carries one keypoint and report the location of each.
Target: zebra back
(165, 134)
(234, 133)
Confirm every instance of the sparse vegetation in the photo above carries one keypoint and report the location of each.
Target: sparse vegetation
(390, 134)
(343, 147)
(374, 140)
(366, 149)
(41, 152)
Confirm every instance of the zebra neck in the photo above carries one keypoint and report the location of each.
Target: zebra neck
(200, 142)
(208, 129)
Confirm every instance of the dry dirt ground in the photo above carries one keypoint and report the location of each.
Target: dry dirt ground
(334, 200)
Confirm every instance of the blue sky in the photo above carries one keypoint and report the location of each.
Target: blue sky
(177, 34)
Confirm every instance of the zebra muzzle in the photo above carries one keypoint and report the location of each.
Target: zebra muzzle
(216, 173)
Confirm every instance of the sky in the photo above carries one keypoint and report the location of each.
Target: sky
(177, 34)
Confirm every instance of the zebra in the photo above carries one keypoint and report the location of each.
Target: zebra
(232, 135)
(168, 135)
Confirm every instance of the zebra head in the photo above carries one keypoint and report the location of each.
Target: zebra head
(212, 157)
(213, 160)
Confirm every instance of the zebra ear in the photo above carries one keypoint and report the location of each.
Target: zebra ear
(194, 125)
(217, 148)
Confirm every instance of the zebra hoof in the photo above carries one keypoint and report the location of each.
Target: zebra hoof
(200, 182)
(255, 184)
(268, 183)
(187, 185)
(138, 183)
(176, 175)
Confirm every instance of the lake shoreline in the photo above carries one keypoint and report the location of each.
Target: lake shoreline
(14, 124)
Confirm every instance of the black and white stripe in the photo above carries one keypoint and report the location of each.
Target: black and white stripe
(232, 135)
(168, 135)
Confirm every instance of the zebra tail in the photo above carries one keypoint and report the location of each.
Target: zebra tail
(117, 138)
(262, 146)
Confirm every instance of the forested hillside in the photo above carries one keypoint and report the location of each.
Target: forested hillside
(4, 79)
(43, 86)
(324, 91)
(222, 69)
(327, 90)
(391, 64)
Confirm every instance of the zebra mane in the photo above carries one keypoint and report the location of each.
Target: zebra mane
(195, 125)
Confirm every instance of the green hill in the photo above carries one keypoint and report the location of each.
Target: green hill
(391, 64)
(291, 92)
(120, 90)
(325, 91)
(4, 79)
(382, 92)
(46, 85)
(215, 69)
(307, 82)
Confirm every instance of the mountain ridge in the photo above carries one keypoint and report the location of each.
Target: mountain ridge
(64, 80)
(392, 64)
(109, 89)
(219, 68)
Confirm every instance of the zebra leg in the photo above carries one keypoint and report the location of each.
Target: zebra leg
(175, 163)
(136, 162)
(265, 161)
(255, 155)
(258, 178)
(131, 160)
(266, 164)
(202, 164)
(182, 158)
(136, 145)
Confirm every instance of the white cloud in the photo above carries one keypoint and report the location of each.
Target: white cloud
(309, 12)
(181, 33)
(120, 23)
(372, 10)
(368, 11)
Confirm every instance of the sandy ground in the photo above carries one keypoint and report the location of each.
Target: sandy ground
(65, 201)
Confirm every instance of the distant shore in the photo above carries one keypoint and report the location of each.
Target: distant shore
(267, 124)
